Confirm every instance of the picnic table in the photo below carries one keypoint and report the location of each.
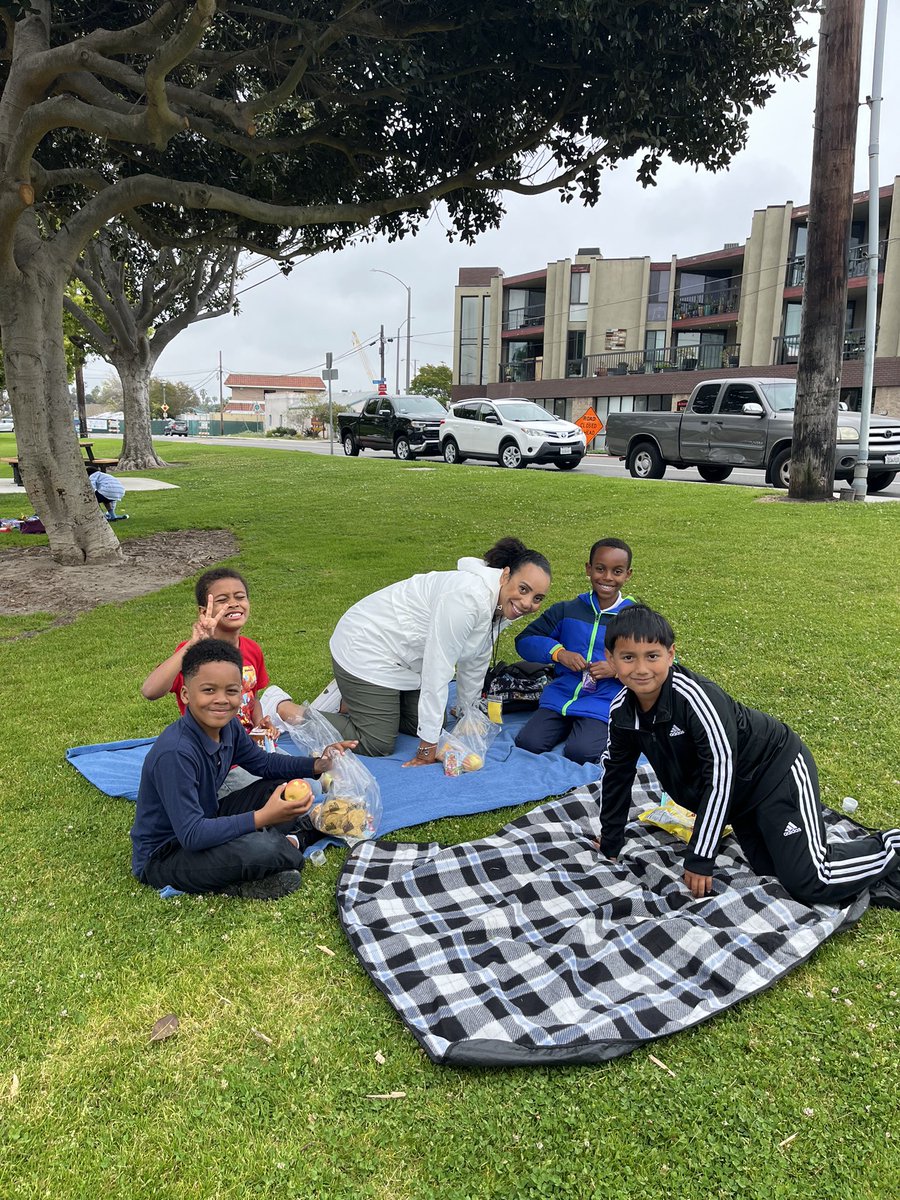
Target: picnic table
(90, 461)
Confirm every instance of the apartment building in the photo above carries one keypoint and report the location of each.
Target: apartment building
(623, 334)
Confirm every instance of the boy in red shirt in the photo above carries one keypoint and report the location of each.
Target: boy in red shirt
(223, 608)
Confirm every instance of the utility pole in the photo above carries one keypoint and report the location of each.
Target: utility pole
(824, 310)
(860, 484)
(382, 375)
(330, 373)
(221, 398)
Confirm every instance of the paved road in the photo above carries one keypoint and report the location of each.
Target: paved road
(610, 468)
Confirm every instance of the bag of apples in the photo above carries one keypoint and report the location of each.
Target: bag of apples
(350, 805)
(465, 747)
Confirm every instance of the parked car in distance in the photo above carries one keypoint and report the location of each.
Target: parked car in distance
(408, 425)
(746, 423)
(514, 432)
(175, 427)
(6, 425)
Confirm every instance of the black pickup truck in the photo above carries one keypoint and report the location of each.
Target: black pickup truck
(408, 425)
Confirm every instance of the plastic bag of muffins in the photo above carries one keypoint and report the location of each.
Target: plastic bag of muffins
(350, 805)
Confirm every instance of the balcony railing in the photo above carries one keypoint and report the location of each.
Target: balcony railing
(663, 358)
(525, 318)
(708, 303)
(630, 362)
(857, 264)
(787, 348)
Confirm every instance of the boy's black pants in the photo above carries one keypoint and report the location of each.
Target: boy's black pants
(251, 856)
(784, 835)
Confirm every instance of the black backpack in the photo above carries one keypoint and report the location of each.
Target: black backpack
(518, 685)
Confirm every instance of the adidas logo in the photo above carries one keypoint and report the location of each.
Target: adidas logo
(676, 732)
(790, 828)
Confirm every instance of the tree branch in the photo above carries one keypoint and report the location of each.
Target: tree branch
(162, 122)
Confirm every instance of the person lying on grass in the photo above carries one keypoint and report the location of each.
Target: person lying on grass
(726, 763)
(223, 609)
(574, 707)
(248, 843)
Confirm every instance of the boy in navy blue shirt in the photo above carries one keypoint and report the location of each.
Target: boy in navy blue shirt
(574, 706)
(250, 842)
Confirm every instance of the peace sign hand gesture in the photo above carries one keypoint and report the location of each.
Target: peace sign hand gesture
(206, 624)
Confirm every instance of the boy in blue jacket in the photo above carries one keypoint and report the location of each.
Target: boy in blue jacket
(248, 843)
(574, 707)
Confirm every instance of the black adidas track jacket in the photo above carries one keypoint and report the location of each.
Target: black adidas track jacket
(712, 754)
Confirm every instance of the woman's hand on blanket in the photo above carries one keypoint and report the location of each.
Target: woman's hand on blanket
(571, 659)
(330, 753)
(425, 755)
(699, 885)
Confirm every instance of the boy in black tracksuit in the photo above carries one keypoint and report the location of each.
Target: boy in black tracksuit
(726, 763)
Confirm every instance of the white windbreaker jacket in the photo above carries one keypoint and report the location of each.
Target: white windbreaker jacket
(414, 633)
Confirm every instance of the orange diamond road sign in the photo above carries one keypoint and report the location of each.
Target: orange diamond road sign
(590, 424)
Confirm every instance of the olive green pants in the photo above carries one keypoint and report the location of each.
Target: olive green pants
(375, 714)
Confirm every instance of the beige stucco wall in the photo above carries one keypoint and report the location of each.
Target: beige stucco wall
(762, 286)
(888, 344)
(618, 300)
(556, 320)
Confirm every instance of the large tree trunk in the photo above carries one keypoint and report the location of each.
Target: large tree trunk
(138, 453)
(823, 317)
(50, 458)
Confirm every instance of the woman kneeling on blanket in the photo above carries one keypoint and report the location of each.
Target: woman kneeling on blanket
(395, 651)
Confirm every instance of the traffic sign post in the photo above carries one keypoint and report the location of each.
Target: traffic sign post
(328, 374)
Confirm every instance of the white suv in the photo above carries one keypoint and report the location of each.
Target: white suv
(515, 432)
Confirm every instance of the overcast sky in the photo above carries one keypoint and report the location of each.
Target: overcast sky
(286, 325)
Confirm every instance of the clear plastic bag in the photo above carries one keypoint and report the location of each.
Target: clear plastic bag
(350, 804)
(466, 746)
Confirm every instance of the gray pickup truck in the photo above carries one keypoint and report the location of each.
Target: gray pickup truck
(746, 423)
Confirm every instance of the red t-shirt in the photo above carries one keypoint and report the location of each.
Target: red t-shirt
(255, 677)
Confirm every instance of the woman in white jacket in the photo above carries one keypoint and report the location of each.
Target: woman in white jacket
(396, 651)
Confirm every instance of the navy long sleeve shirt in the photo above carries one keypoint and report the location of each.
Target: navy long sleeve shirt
(178, 795)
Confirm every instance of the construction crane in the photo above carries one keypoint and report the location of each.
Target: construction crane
(361, 351)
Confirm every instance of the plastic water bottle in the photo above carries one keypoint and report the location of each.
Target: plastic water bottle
(317, 858)
(849, 805)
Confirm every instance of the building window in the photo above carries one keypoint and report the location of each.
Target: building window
(468, 339)
(485, 338)
(575, 364)
(579, 287)
(658, 296)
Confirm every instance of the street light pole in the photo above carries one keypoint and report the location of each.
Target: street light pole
(379, 271)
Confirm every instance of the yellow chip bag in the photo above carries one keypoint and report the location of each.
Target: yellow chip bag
(674, 818)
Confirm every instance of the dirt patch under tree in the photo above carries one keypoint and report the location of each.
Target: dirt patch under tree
(31, 582)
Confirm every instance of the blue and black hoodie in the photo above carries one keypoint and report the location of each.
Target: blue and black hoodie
(578, 625)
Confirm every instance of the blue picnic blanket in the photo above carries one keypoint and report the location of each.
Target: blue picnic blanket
(409, 796)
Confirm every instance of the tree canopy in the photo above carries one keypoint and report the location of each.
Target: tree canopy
(433, 379)
(290, 127)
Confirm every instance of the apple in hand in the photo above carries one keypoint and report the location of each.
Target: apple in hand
(298, 789)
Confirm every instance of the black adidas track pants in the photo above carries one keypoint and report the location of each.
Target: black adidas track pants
(784, 835)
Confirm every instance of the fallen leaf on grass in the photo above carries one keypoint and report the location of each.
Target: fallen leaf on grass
(786, 1141)
(165, 1027)
(386, 1095)
(325, 950)
(662, 1066)
(379, 1058)
(262, 1037)
(14, 1086)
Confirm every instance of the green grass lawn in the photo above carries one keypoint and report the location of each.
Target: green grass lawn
(793, 1094)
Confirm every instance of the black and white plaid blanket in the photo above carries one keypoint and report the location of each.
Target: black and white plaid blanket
(530, 947)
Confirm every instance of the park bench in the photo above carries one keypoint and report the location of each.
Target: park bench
(90, 461)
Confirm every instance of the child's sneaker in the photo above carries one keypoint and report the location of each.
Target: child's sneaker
(271, 887)
(886, 892)
(328, 700)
